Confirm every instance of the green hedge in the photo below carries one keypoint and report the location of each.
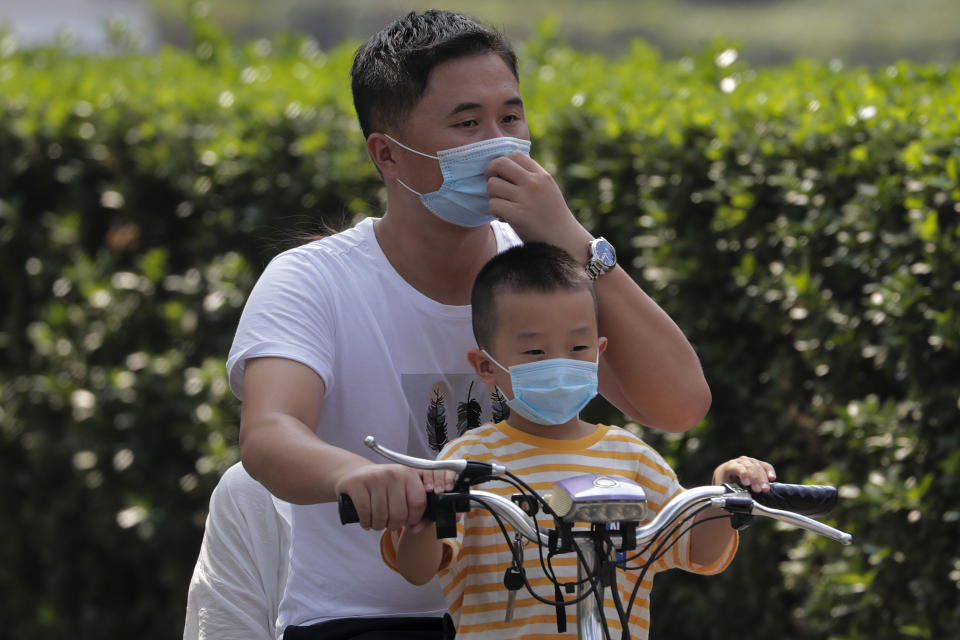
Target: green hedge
(799, 223)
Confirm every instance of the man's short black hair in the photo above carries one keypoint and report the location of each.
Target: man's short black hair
(390, 71)
(532, 267)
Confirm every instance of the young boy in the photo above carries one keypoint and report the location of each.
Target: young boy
(535, 322)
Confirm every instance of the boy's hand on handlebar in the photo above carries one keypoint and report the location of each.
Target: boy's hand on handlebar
(386, 496)
(751, 473)
(436, 481)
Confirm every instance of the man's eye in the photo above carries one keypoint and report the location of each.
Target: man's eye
(467, 124)
(511, 118)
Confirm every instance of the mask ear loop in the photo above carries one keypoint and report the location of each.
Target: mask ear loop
(421, 153)
(494, 361)
(408, 187)
(425, 155)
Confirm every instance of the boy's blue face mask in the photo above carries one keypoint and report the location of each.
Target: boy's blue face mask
(551, 391)
(462, 198)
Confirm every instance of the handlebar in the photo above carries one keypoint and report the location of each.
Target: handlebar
(467, 469)
(789, 503)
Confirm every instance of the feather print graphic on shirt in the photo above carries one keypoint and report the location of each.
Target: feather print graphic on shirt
(437, 419)
(468, 413)
(498, 406)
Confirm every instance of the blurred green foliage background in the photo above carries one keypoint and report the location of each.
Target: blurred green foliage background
(799, 221)
(769, 31)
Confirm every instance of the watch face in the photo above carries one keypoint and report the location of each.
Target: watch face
(606, 255)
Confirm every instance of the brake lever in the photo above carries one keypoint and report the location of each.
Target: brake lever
(467, 470)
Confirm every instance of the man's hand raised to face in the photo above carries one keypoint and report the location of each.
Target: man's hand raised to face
(526, 196)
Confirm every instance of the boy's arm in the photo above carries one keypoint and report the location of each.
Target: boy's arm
(709, 540)
(419, 553)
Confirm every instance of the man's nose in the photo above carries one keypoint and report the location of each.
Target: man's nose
(494, 130)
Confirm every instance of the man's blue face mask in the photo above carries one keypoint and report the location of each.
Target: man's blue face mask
(552, 391)
(462, 198)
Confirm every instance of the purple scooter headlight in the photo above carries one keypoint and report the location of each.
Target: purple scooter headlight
(598, 498)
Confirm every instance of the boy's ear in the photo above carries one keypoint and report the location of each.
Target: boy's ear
(378, 146)
(482, 365)
(601, 345)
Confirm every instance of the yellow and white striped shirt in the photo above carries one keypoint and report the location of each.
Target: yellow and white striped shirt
(475, 562)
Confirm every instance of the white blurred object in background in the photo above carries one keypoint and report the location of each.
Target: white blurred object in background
(83, 23)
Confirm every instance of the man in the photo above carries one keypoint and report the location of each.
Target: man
(364, 332)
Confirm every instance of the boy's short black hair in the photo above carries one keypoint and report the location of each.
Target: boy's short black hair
(390, 71)
(532, 267)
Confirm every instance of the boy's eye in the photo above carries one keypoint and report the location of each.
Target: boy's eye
(580, 347)
(533, 352)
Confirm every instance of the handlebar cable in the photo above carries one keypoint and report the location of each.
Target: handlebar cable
(521, 486)
(618, 604)
(536, 495)
(614, 590)
(547, 565)
(601, 612)
(518, 483)
(659, 553)
(526, 582)
(591, 573)
(494, 471)
(671, 537)
(668, 529)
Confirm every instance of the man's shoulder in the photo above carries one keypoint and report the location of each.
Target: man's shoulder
(327, 248)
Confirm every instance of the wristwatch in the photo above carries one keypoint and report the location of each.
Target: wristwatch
(603, 258)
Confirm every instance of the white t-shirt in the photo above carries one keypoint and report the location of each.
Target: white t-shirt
(242, 567)
(394, 365)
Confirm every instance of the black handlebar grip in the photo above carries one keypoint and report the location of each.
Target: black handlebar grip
(805, 499)
(348, 513)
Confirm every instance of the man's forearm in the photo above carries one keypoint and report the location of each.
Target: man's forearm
(292, 462)
(651, 371)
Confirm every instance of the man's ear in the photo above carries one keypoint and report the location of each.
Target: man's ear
(378, 146)
(482, 364)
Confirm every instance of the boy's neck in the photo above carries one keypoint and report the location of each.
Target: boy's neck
(572, 430)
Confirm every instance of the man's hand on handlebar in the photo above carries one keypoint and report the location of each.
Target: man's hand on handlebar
(751, 473)
(386, 496)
